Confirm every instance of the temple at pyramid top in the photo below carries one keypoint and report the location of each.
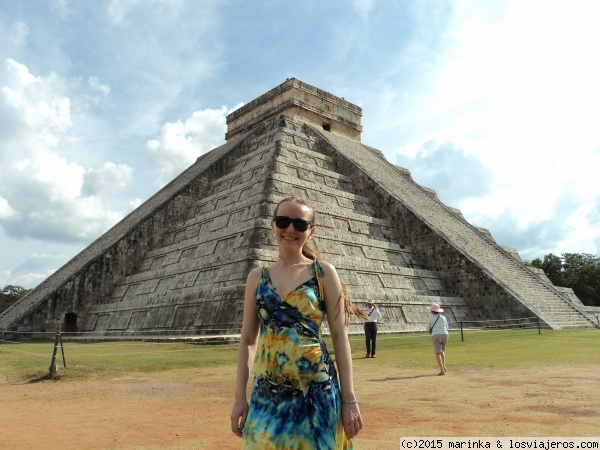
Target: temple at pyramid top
(301, 101)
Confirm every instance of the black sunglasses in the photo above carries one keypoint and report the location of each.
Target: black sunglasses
(299, 224)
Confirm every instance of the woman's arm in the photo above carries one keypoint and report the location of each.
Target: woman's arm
(336, 317)
(248, 340)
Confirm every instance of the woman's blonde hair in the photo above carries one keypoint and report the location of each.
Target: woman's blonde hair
(310, 252)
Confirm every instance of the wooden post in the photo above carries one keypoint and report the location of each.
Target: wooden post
(462, 336)
(53, 362)
(63, 351)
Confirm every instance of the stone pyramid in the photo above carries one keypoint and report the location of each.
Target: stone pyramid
(177, 264)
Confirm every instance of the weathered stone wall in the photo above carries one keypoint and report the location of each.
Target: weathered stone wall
(460, 277)
(93, 283)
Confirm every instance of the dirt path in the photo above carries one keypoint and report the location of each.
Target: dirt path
(191, 410)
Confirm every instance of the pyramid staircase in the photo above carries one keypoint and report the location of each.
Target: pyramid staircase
(476, 247)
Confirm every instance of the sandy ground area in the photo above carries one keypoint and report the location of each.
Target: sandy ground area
(191, 410)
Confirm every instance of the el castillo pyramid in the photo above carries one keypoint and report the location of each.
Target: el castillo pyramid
(177, 264)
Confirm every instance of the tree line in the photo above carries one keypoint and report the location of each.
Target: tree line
(9, 294)
(578, 271)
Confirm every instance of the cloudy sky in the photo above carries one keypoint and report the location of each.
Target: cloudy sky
(495, 105)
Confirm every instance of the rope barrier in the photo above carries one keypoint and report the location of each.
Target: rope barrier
(182, 332)
(27, 332)
(131, 353)
(76, 344)
(520, 325)
(45, 355)
(498, 320)
(11, 342)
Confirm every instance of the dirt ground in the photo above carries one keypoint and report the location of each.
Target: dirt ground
(191, 410)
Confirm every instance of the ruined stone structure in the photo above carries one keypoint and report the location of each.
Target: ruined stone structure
(178, 263)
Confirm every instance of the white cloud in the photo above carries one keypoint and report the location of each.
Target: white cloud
(133, 204)
(61, 8)
(48, 203)
(109, 177)
(527, 79)
(35, 269)
(96, 85)
(58, 178)
(118, 9)
(44, 194)
(363, 7)
(36, 102)
(19, 33)
(6, 210)
(181, 143)
(455, 174)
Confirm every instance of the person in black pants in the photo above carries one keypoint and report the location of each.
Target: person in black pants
(373, 315)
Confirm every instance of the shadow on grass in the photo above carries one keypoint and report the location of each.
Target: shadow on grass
(29, 379)
(41, 378)
(403, 378)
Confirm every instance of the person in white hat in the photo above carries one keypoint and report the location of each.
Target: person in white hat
(437, 325)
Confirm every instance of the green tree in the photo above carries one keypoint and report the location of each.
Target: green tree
(552, 267)
(9, 294)
(578, 271)
(582, 274)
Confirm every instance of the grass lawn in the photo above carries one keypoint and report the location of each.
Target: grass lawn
(30, 360)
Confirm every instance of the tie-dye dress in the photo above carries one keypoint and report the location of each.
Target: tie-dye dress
(296, 401)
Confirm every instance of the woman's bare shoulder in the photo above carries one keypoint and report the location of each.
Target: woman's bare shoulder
(327, 266)
(255, 275)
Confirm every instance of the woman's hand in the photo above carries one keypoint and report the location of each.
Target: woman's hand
(351, 419)
(238, 416)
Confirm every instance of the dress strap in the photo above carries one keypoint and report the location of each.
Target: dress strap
(318, 273)
(317, 265)
(266, 278)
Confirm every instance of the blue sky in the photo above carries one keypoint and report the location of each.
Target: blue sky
(494, 104)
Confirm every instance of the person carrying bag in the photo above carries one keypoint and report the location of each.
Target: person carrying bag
(437, 325)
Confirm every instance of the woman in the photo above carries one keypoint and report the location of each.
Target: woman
(296, 399)
(437, 325)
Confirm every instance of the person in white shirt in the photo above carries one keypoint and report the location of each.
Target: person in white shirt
(373, 315)
(437, 325)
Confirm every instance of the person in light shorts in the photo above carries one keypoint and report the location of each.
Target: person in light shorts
(437, 326)
(439, 344)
